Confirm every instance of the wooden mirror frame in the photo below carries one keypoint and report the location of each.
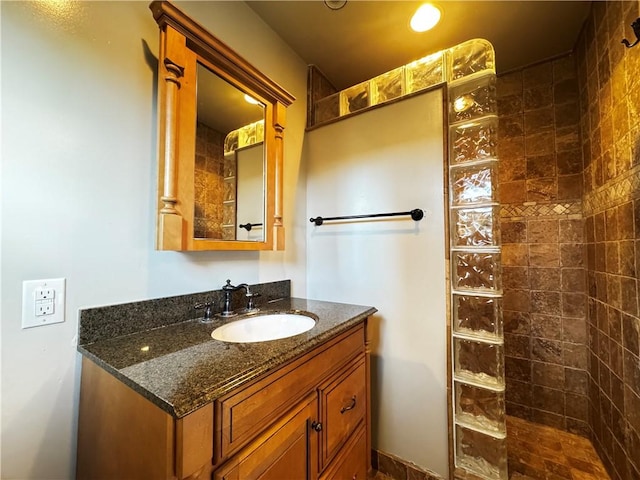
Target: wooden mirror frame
(183, 43)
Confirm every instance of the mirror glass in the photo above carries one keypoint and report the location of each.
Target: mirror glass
(229, 180)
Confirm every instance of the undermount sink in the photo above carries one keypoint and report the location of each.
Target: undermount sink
(264, 327)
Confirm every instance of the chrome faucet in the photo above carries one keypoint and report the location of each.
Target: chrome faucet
(228, 289)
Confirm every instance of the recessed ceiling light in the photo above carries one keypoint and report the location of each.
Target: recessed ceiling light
(426, 17)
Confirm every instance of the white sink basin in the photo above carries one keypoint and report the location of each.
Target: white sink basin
(261, 328)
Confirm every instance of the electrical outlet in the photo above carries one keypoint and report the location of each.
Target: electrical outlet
(42, 302)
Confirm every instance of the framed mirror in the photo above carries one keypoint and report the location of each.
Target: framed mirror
(221, 134)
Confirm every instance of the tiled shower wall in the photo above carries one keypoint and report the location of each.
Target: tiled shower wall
(542, 245)
(609, 77)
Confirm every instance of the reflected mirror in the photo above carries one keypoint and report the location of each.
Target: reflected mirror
(229, 179)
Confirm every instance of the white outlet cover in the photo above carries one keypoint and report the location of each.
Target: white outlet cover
(29, 288)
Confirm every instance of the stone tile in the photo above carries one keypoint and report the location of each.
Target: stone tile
(517, 300)
(548, 375)
(513, 192)
(543, 231)
(512, 168)
(510, 126)
(539, 166)
(570, 187)
(515, 277)
(515, 255)
(544, 255)
(514, 232)
(574, 305)
(547, 303)
(516, 322)
(540, 143)
(545, 278)
(573, 280)
(541, 120)
(576, 381)
(549, 351)
(541, 189)
(572, 255)
(546, 326)
(569, 162)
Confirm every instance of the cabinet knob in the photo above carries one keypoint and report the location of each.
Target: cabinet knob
(317, 426)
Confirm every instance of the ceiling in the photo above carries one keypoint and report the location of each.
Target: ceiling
(366, 38)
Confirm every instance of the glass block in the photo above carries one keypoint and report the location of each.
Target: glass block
(476, 271)
(229, 165)
(229, 189)
(231, 142)
(354, 98)
(473, 99)
(480, 408)
(477, 315)
(387, 86)
(474, 184)
(425, 72)
(259, 131)
(481, 454)
(470, 57)
(247, 135)
(229, 214)
(479, 362)
(476, 140)
(327, 108)
(229, 232)
(475, 227)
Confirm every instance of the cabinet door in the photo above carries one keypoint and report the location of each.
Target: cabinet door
(287, 450)
(343, 402)
(351, 462)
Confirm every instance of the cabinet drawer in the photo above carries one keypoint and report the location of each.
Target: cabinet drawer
(244, 414)
(343, 404)
(352, 463)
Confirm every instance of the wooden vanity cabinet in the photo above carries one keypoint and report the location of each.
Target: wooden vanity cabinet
(308, 419)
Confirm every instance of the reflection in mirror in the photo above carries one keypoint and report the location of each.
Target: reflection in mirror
(229, 180)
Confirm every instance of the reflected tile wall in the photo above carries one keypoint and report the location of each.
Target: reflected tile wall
(209, 185)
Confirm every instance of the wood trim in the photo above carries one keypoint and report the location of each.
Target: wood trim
(166, 13)
(194, 443)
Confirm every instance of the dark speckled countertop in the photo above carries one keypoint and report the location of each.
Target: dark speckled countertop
(180, 368)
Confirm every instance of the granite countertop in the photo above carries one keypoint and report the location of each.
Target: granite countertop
(180, 368)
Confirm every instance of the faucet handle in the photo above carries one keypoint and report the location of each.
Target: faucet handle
(228, 287)
(251, 307)
(208, 311)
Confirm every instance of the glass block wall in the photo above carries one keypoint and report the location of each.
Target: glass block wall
(476, 291)
(477, 347)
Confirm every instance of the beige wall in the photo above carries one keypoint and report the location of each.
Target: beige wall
(78, 194)
(389, 159)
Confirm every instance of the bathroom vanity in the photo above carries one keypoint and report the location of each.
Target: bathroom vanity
(174, 403)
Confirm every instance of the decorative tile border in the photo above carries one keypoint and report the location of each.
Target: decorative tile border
(535, 209)
(615, 192)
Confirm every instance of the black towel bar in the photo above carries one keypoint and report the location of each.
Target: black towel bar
(249, 226)
(416, 214)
